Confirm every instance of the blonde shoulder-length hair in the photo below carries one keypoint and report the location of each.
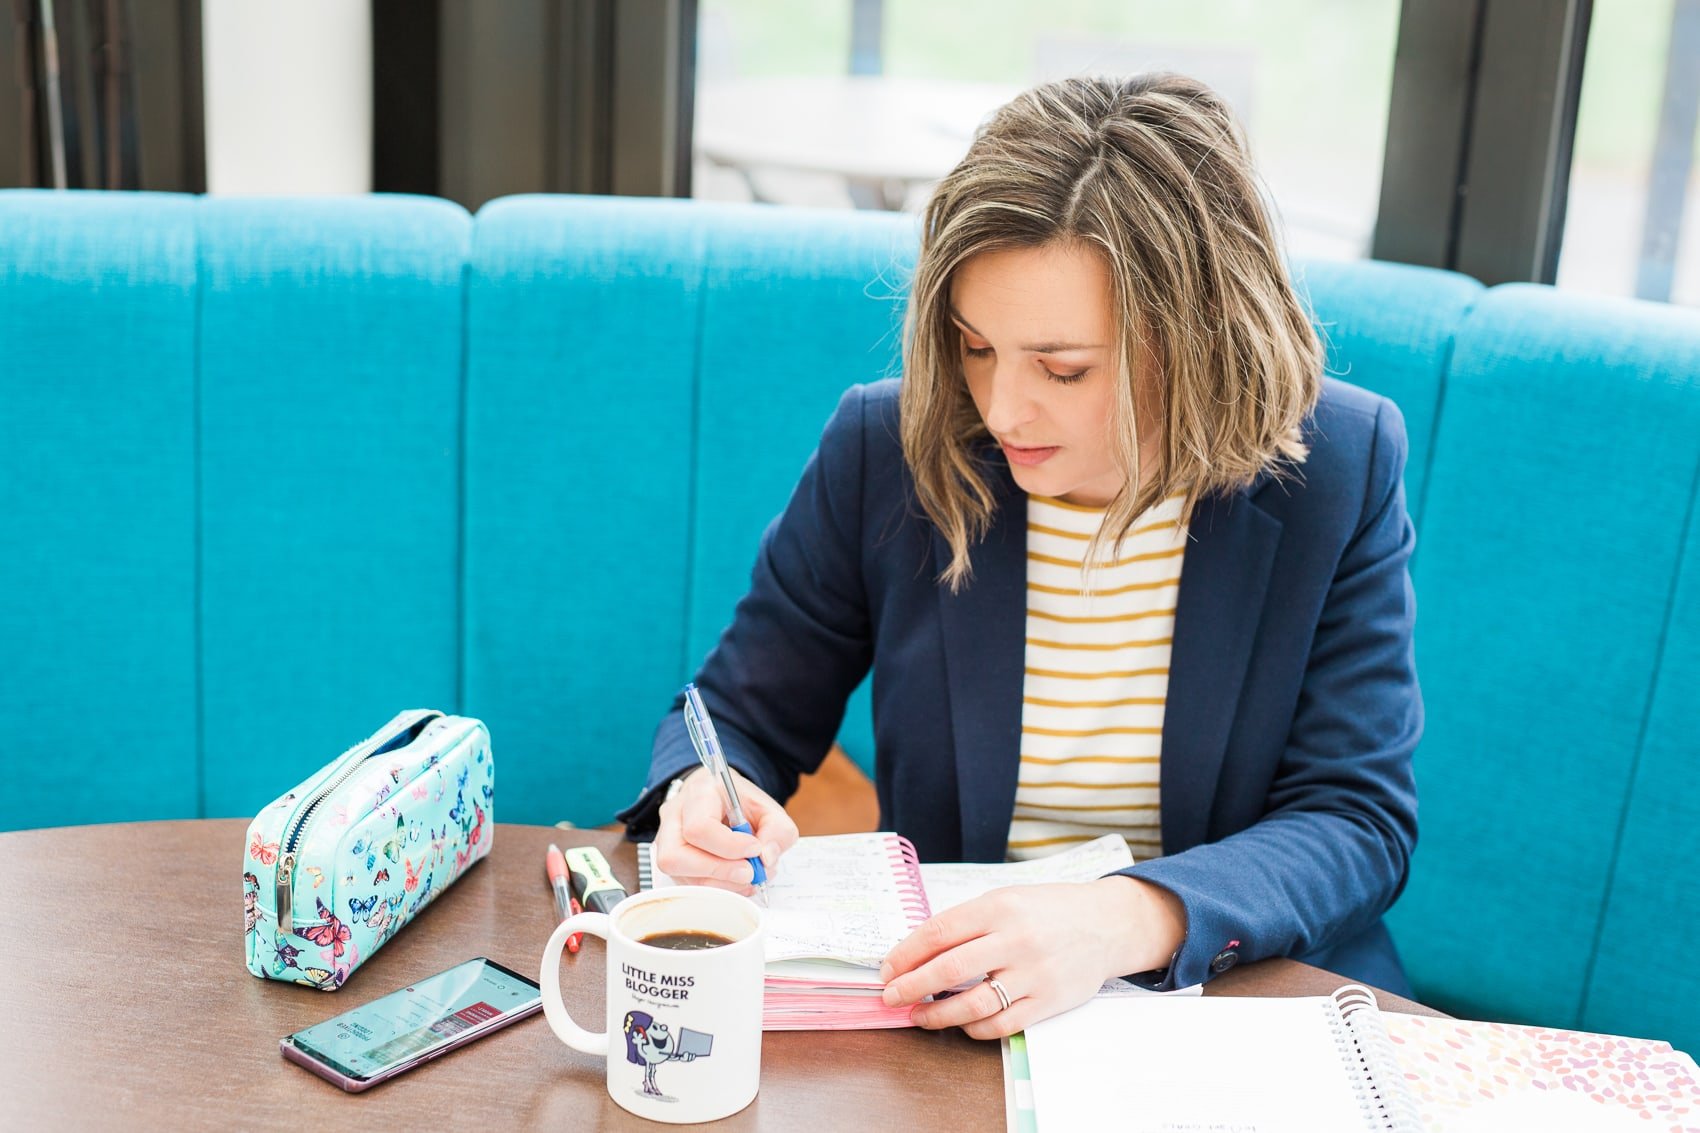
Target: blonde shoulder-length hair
(1153, 174)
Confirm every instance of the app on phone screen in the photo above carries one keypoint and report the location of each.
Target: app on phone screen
(369, 1039)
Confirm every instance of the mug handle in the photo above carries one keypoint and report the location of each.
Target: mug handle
(549, 981)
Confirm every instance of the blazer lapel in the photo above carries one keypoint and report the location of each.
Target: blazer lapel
(1224, 578)
(984, 627)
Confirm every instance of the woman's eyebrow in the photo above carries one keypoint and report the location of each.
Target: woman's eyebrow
(1035, 347)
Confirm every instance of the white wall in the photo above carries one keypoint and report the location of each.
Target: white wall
(288, 96)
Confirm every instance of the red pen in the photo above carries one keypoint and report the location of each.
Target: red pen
(555, 865)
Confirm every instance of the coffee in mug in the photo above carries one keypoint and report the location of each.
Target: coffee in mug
(684, 997)
(685, 941)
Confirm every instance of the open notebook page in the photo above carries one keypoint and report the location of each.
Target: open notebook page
(835, 897)
(1163, 1065)
(952, 883)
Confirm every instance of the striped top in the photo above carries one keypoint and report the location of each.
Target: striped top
(1097, 676)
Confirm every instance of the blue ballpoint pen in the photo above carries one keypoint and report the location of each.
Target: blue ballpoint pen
(707, 743)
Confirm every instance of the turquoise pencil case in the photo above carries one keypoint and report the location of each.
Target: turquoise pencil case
(338, 865)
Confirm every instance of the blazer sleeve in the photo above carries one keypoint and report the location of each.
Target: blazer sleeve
(1331, 852)
(799, 642)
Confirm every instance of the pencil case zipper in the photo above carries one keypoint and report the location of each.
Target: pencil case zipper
(284, 884)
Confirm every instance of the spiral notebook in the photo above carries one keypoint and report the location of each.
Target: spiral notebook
(838, 903)
(836, 906)
(1306, 1065)
(1335, 1064)
(847, 898)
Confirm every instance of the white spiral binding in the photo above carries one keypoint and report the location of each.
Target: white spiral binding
(1371, 1065)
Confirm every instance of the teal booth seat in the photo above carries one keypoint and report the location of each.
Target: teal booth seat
(276, 469)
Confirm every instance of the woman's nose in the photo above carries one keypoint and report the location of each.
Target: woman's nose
(1009, 406)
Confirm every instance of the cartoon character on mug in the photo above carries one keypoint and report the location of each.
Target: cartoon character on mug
(649, 1044)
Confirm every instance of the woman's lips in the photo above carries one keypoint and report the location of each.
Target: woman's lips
(1028, 456)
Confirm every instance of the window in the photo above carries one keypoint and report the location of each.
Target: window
(1632, 225)
(852, 102)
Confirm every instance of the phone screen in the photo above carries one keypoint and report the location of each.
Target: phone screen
(408, 1025)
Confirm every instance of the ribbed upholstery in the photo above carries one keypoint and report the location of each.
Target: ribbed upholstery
(98, 657)
(1654, 888)
(579, 407)
(330, 361)
(1389, 328)
(1563, 473)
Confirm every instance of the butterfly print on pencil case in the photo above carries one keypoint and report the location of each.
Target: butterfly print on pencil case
(332, 935)
(358, 909)
(263, 852)
(425, 895)
(250, 902)
(284, 954)
(380, 919)
(396, 842)
(321, 978)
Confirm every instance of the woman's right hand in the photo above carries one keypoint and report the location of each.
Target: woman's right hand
(694, 846)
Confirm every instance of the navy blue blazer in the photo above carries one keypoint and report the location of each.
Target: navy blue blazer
(1288, 804)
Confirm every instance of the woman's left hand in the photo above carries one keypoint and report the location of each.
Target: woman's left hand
(1049, 946)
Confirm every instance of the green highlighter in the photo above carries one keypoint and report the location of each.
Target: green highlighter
(593, 880)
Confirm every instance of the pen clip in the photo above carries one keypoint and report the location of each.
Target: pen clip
(696, 736)
(707, 743)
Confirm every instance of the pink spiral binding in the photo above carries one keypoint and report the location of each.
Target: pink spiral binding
(906, 867)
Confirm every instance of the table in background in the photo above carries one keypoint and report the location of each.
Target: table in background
(884, 136)
(127, 1002)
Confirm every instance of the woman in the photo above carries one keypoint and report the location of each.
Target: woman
(1105, 364)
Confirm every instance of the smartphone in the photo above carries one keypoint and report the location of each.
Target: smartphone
(375, 1042)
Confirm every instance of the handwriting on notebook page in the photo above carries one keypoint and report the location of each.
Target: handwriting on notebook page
(837, 897)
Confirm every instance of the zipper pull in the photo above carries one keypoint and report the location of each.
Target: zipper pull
(285, 896)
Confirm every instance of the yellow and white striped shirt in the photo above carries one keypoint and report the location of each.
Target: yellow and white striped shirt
(1097, 677)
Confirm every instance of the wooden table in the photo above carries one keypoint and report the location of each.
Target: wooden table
(126, 1003)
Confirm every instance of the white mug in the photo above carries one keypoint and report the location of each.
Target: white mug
(685, 1025)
